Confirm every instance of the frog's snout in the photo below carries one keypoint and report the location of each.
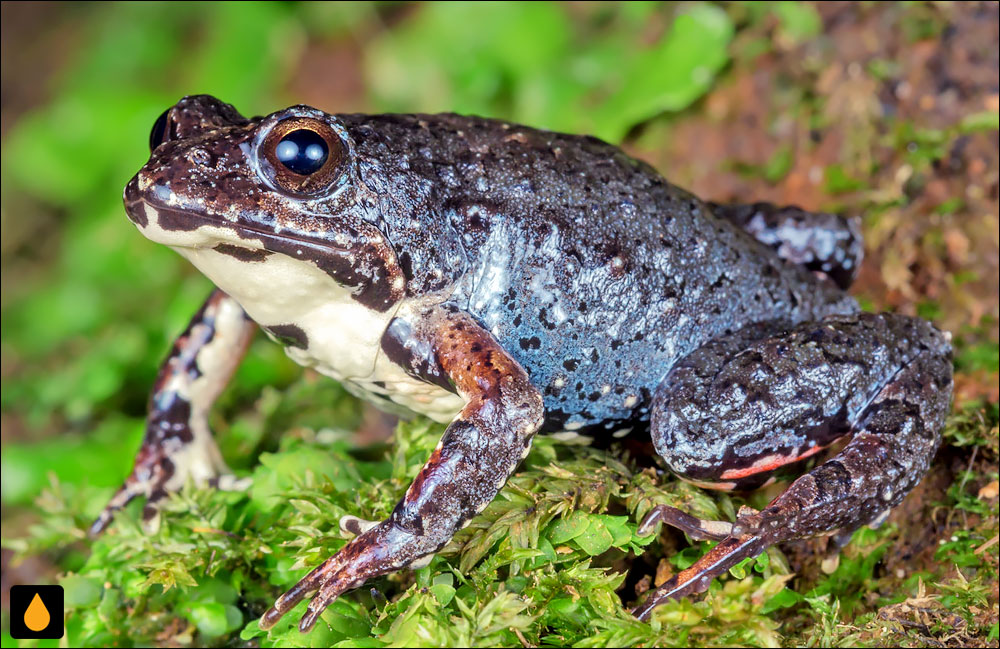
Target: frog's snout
(134, 205)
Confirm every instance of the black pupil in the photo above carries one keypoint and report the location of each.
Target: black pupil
(302, 151)
(159, 132)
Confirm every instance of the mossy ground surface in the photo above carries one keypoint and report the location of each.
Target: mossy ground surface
(885, 110)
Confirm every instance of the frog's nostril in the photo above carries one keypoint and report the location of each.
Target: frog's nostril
(159, 133)
(199, 157)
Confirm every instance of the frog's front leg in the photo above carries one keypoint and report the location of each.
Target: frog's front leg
(476, 455)
(178, 443)
(731, 413)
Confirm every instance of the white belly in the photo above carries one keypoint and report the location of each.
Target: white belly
(344, 336)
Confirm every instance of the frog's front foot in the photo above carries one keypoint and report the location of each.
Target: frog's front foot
(476, 455)
(178, 445)
(161, 469)
(385, 548)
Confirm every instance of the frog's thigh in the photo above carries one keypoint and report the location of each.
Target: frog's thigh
(886, 379)
(742, 406)
(178, 444)
(823, 242)
(476, 455)
(727, 416)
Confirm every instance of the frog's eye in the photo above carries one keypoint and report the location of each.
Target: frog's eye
(303, 156)
(159, 133)
(302, 152)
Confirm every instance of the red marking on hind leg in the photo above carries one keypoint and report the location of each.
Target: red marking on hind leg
(768, 463)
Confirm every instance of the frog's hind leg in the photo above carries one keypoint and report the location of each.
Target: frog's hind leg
(178, 444)
(476, 455)
(724, 415)
(825, 243)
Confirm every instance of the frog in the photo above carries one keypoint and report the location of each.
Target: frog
(507, 282)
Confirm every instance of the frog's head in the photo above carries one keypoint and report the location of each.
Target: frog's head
(285, 184)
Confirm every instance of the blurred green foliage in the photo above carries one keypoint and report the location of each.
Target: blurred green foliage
(530, 63)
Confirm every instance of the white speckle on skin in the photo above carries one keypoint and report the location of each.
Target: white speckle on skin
(568, 436)
(630, 401)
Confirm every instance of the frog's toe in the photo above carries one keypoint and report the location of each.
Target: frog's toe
(122, 497)
(331, 580)
(378, 550)
(229, 482)
(327, 579)
(698, 577)
(355, 526)
(158, 473)
(148, 478)
(696, 528)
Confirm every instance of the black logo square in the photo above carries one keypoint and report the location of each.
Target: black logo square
(36, 612)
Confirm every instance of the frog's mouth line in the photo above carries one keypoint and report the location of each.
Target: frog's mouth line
(178, 222)
(361, 263)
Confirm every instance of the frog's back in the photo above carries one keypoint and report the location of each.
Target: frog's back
(593, 271)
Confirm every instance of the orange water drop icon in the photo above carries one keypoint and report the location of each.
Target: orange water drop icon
(36, 617)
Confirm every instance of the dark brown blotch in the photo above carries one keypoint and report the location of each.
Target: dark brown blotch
(242, 254)
(289, 335)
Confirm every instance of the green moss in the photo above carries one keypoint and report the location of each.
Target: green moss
(545, 562)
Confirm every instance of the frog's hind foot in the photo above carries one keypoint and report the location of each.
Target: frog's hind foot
(178, 445)
(738, 541)
(696, 579)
